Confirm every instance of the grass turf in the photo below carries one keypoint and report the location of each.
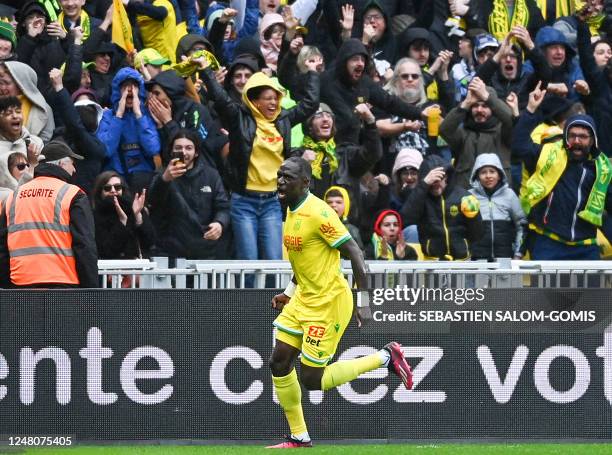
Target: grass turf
(332, 449)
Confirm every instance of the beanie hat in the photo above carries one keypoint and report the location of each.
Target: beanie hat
(7, 32)
(382, 216)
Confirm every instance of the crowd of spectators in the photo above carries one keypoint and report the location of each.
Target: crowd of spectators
(443, 129)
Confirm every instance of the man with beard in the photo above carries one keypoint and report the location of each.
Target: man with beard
(568, 191)
(504, 71)
(347, 85)
(487, 127)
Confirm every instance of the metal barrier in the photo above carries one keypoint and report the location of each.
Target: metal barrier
(226, 274)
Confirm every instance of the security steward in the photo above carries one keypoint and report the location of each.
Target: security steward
(47, 228)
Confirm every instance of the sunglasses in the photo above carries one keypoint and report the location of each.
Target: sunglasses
(410, 76)
(22, 166)
(117, 187)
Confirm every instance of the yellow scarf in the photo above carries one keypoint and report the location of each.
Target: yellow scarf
(563, 8)
(499, 25)
(379, 251)
(549, 168)
(84, 22)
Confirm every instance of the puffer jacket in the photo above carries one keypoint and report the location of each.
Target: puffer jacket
(240, 123)
(445, 232)
(502, 215)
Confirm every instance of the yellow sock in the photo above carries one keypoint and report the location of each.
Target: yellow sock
(289, 395)
(345, 371)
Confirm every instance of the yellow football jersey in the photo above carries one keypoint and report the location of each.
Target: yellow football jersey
(312, 234)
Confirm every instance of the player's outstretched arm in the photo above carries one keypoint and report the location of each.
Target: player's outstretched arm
(351, 250)
(280, 300)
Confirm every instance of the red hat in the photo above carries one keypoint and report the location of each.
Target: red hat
(382, 216)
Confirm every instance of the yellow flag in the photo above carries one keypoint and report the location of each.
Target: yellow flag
(122, 29)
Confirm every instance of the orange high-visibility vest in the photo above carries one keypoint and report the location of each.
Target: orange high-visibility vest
(39, 238)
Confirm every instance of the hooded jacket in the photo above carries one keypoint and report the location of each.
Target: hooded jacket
(269, 49)
(445, 232)
(188, 114)
(342, 94)
(43, 52)
(131, 143)
(241, 60)
(353, 230)
(524, 82)
(502, 215)
(558, 212)
(569, 72)
(40, 121)
(81, 229)
(385, 49)
(468, 139)
(182, 209)
(242, 127)
(406, 157)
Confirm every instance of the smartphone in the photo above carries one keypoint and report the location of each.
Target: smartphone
(180, 156)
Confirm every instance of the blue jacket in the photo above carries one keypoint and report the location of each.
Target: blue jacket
(131, 143)
(558, 212)
(570, 71)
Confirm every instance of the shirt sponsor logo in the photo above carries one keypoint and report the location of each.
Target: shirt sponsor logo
(293, 242)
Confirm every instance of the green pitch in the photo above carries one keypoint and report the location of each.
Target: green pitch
(331, 449)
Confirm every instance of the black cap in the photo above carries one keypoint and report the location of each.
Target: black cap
(56, 150)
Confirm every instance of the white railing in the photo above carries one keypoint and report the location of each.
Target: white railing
(225, 274)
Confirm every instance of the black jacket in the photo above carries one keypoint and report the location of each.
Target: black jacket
(491, 75)
(601, 89)
(116, 241)
(240, 123)
(80, 141)
(444, 232)
(186, 113)
(342, 94)
(81, 229)
(181, 211)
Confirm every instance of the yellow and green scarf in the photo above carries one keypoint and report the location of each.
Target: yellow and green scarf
(549, 168)
(379, 250)
(499, 23)
(84, 22)
(323, 149)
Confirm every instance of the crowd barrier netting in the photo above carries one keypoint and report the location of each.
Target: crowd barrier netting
(180, 364)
